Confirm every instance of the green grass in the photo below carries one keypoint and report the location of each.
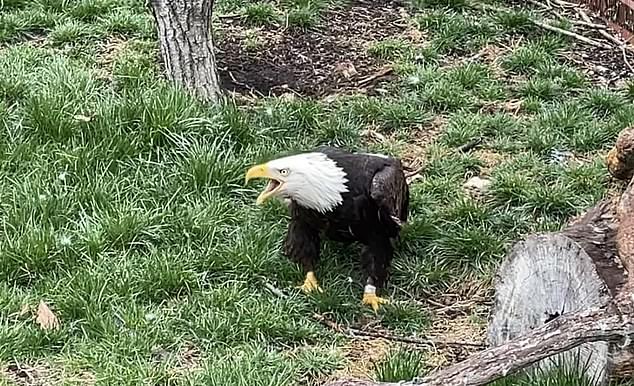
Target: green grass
(123, 202)
(399, 365)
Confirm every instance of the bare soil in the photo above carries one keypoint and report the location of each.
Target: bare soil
(330, 58)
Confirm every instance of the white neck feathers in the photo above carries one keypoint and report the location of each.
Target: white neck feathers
(314, 182)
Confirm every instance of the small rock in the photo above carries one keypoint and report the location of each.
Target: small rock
(477, 185)
(601, 68)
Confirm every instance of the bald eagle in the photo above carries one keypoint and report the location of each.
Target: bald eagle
(341, 196)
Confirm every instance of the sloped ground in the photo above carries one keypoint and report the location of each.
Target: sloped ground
(123, 205)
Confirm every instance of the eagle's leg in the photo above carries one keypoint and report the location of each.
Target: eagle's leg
(370, 298)
(376, 257)
(302, 246)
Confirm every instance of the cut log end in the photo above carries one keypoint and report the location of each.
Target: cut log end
(545, 277)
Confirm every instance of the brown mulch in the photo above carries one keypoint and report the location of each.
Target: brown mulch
(330, 58)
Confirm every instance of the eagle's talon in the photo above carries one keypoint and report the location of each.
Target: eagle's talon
(310, 284)
(373, 301)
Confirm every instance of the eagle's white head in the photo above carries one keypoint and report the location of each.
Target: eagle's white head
(312, 180)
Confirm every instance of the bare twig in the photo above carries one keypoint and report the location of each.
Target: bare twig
(565, 4)
(610, 37)
(251, 89)
(539, 4)
(583, 15)
(627, 62)
(571, 34)
(587, 24)
(379, 74)
(276, 291)
(229, 16)
(354, 332)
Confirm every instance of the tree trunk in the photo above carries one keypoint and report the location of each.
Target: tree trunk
(184, 31)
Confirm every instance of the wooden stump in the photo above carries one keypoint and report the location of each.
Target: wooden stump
(547, 276)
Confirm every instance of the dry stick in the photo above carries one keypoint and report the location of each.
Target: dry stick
(571, 34)
(554, 29)
(381, 73)
(583, 14)
(228, 16)
(561, 335)
(586, 23)
(627, 62)
(565, 4)
(276, 291)
(354, 332)
(541, 5)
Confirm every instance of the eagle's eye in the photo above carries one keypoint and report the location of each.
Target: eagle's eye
(284, 172)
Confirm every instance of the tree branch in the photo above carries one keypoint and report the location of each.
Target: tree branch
(558, 336)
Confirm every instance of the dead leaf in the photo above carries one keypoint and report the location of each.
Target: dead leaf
(46, 318)
(370, 133)
(82, 118)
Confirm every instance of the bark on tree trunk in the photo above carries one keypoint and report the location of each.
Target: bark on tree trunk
(184, 31)
(584, 255)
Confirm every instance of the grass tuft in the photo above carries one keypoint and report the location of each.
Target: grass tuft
(402, 364)
(261, 14)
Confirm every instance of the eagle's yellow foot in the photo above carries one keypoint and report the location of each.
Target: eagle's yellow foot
(310, 283)
(371, 299)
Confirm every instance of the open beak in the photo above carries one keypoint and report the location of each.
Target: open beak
(262, 171)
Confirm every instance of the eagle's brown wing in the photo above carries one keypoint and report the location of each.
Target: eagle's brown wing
(390, 192)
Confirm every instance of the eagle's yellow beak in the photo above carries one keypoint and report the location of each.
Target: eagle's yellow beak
(262, 171)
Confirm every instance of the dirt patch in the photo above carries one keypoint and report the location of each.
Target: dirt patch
(361, 356)
(490, 160)
(44, 374)
(332, 57)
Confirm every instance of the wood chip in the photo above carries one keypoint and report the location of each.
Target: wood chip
(379, 74)
(46, 318)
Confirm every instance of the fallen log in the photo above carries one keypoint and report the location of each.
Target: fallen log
(559, 335)
(549, 276)
(565, 296)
